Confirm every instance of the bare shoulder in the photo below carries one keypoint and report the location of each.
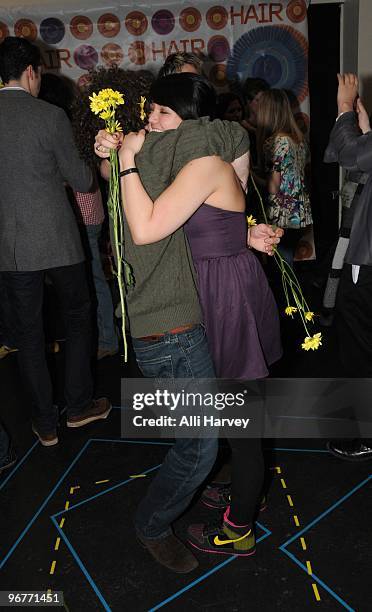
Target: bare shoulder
(205, 164)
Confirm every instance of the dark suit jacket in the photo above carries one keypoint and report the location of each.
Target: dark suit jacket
(38, 229)
(353, 151)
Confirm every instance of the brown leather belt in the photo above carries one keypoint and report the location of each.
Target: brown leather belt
(176, 330)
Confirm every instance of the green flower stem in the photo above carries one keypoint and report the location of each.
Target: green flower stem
(289, 278)
(114, 208)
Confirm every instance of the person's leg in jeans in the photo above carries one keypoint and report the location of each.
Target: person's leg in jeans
(71, 286)
(189, 461)
(25, 293)
(107, 336)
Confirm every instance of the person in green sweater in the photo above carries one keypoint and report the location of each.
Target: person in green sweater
(173, 143)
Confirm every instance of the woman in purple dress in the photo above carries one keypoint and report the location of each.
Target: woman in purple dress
(238, 307)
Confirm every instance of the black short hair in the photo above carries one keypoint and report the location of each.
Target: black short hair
(175, 61)
(15, 55)
(58, 90)
(189, 95)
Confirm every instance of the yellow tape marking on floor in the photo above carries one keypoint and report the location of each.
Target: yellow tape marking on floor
(277, 469)
(52, 567)
(62, 522)
(316, 592)
(72, 489)
(295, 518)
(67, 505)
(283, 483)
(138, 476)
(102, 481)
(290, 500)
(303, 543)
(58, 541)
(309, 568)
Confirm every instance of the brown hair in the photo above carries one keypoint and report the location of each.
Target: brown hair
(274, 117)
(175, 62)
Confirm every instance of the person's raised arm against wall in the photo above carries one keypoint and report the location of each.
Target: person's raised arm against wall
(347, 145)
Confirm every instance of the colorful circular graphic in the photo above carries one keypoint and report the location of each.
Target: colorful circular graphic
(190, 19)
(84, 80)
(108, 25)
(4, 31)
(218, 48)
(81, 27)
(86, 57)
(277, 54)
(217, 75)
(163, 22)
(137, 53)
(25, 28)
(217, 17)
(296, 11)
(136, 23)
(112, 54)
(52, 30)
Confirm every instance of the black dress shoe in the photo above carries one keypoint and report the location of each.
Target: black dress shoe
(9, 460)
(357, 451)
(171, 553)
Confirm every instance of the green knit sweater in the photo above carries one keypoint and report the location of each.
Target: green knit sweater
(165, 294)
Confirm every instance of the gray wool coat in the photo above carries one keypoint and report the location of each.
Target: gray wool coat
(38, 229)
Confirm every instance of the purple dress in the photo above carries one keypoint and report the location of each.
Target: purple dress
(240, 314)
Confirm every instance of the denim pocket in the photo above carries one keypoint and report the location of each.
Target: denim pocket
(159, 367)
(191, 339)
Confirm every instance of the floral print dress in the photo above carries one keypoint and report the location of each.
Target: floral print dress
(290, 206)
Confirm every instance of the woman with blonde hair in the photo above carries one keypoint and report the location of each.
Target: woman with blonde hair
(283, 155)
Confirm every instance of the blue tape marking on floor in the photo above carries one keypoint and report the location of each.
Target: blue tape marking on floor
(82, 566)
(108, 490)
(266, 534)
(319, 581)
(18, 465)
(321, 516)
(283, 547)
(207, 574)
(132, 441)
(41, 508)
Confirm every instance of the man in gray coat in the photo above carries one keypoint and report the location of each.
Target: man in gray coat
(38, 234)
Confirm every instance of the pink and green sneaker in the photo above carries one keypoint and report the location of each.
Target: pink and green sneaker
(224, 539)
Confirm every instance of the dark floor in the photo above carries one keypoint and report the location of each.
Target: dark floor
(66, 515)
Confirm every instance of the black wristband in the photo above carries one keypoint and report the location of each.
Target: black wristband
(129, 171)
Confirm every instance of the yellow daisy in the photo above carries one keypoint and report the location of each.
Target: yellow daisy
(290, 310)
(142, 108)
(312, 342)
(309, 316)
(251, 221)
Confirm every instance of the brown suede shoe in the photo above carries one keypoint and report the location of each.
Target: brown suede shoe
(46, 439)
(99, 409)
(171, 553)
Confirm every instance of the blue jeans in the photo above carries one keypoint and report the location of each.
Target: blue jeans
(189, 461)
(107, 337)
